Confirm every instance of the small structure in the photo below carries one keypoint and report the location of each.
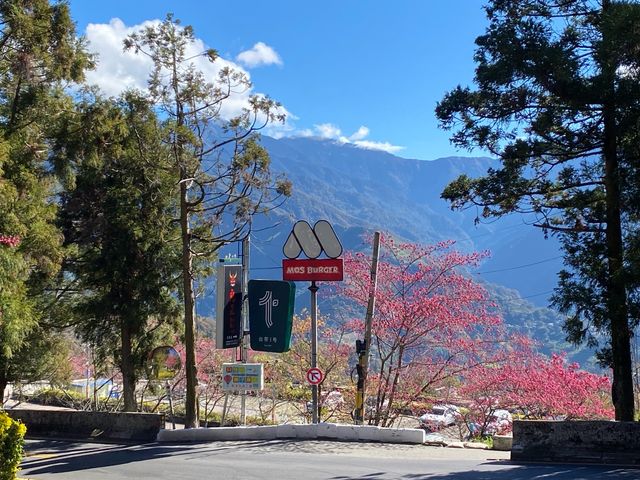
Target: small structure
(101, 387)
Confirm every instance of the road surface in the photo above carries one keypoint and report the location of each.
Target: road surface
(289, 460)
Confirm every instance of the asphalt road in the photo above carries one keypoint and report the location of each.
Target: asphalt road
(289, 460)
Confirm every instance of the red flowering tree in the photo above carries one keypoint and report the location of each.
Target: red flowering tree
(432, 322)
(539, 387)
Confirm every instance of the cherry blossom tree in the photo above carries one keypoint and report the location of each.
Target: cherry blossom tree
(539, 387)
(432, 322)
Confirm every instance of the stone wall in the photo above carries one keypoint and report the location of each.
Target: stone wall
(90, 425)
(577, 442)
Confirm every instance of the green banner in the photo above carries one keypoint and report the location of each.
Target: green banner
(271, 314)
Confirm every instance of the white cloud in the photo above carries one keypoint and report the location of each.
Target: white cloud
(327, 130)
(118, 70)
(330, 131)
(260, 54)
(361, 134)
(384, 146)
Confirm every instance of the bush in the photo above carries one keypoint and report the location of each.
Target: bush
(11, 446)
(60, 398)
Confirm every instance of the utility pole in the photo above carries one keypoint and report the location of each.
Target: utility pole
(363, 348)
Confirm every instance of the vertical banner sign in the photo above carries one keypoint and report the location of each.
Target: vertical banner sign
(229, 306)
(271, 314)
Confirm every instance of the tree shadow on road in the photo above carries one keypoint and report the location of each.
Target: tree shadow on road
(51, 457)
(515, 471)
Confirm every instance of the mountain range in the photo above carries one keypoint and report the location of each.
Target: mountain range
(359, 191)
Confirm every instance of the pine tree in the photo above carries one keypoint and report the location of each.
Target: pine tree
(118, 218)
(39, 55)
(556, 94)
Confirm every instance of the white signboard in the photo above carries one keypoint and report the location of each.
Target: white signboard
(242, 377)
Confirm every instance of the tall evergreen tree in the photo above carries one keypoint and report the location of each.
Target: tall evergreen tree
(556, 95)
(39, 54)
(118, 216)
(222, 171)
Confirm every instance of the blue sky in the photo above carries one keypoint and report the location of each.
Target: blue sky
(365, 72)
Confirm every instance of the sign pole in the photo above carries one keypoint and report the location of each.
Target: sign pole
(173, 418)
(314, 346)
(246, 245)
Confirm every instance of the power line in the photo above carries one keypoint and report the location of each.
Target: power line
(473, 237)
(538, 294)
(520, 266)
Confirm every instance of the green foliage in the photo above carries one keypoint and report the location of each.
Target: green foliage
(118, 217)
(11, 446)
(557, 102)
(60, 398)
(39, 52)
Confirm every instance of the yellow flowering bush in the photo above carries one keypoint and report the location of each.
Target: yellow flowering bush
(11, 446)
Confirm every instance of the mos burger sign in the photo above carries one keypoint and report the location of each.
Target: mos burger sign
(313, 242)
(319, 270)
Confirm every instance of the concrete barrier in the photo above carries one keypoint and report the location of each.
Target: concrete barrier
(329, 431)
(94, 425)
(402, 435)
(604, 442)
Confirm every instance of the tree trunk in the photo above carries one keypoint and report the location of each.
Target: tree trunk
(127, 368)
(191, 407)
(622, 386)
(3, 386)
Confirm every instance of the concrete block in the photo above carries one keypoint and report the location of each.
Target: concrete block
(455, 445)
(476, 445)
(173, 436)
(347, 433)
(502, 442)
(287, 431)
(326, 430)
(435, 439)
(266, 432)
(307, 432)
(402, 435)
(368, 433)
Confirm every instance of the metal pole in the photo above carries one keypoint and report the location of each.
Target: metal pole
(173, 418)
(246, 246)
(224, 409)
(314, 346)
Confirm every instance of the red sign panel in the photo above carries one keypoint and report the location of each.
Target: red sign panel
(319, 269)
